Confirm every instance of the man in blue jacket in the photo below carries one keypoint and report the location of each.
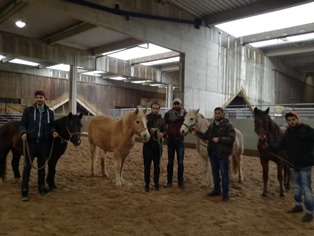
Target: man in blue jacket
(298, 141)
(36, 130)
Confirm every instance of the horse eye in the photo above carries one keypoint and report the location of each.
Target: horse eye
(137, 121)
(191, 118)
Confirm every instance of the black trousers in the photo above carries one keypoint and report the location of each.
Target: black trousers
(152, 153)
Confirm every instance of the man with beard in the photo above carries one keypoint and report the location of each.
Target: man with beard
(152, 150)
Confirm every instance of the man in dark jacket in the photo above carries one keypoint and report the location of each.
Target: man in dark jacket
(220, 136)
(36, 130)
(152, 150)
(298, 141)
(174, 119)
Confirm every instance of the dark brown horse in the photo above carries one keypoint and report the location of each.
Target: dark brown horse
(69, 129)
(269, 132)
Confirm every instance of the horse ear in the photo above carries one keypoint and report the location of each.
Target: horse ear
(70, 115)
(80, 115)
(255, 110)
(267, 111)
(197, 111)
(136, 111)
(145, 110)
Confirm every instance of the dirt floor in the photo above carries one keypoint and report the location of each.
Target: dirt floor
(85, 205)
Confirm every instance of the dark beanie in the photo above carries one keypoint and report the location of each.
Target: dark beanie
(41, 93)
(292, 113)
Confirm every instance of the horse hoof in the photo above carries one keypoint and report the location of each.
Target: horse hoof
(281, 195)
(264, 194)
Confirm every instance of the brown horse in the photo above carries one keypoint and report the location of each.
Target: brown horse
(193, 117)
(269, 132)
(116, 136)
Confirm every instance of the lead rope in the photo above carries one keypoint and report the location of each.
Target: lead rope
(26, 148)
(159, 141)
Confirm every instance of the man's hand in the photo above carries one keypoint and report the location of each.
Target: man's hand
(55, 134)
(24, 136)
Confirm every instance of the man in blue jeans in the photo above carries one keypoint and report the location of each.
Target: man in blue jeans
(220, 136)
(174, 119)
(298, 141)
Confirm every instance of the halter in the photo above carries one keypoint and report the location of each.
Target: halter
(190, 125)
(140, 131)
(70, 135)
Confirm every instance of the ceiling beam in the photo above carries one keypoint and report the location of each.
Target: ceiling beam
(252, 10)
(126, 43)
(154, 57)
(68, 32)
(12, 8)
(288, 51)
(282, 33)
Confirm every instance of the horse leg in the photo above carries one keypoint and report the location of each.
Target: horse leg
(264, 164)
(239, 165)
(118, 167)
(103, 164)
(205, 179)
(280, 178)
(92, 148)
(3, 164)
(52, 172)
(230, 167)
(286, 172)
(15, 165)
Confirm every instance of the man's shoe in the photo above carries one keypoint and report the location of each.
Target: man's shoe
(225, 199)
(146, 188)
(307, 218)
(214, 193)
(25, 196)
(296, 209)
(169, 185)
(157, 188)
(181, 186)
(44, 192)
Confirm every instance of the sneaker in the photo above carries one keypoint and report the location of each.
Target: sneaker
(181, 186)
(214, 194)
(307, 217)
(44, 192)
(296, 209)
(25, 196)
(157, 188)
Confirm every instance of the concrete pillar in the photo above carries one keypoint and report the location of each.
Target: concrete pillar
(169, 95)
(73, 88)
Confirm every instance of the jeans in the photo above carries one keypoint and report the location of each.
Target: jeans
(302, 179)
(39, 150)
(220, 166)
(152, 152)
(175, 145)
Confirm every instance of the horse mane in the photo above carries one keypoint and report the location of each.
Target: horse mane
(203, 123)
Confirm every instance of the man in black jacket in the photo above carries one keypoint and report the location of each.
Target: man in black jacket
(298, 141)
(220, 136)
(152, 150)
(36, 130)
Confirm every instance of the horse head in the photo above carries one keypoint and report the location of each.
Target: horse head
(74, 126)
(190, 120)
(140, 125)
(261, 124)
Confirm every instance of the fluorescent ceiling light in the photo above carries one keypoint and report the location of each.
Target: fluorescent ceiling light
(1, 57)
(23, 62)
(117, 78)
(142, 50)
(294, 16)
(62, 67)
(20, 23)
(285, 40)
(162, 61)
(138, 81)
(94, 73)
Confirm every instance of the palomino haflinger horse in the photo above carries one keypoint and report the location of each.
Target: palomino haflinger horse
(68, 128)
(269, 132)
(117, 136)
(194, 118)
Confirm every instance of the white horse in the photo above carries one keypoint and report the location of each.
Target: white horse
(194, 118)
